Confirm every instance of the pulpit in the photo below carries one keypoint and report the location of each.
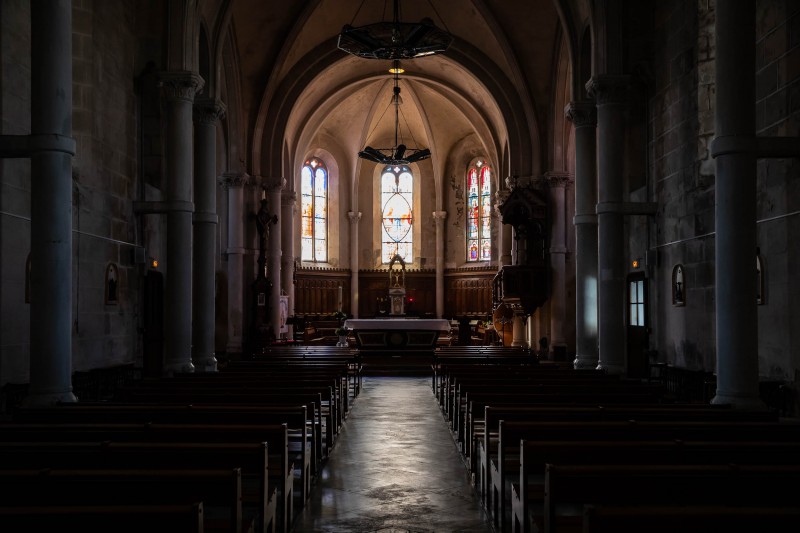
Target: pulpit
(524, 286)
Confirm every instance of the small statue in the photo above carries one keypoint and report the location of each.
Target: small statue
(263, 220)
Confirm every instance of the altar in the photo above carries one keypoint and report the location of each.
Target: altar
(397, 333)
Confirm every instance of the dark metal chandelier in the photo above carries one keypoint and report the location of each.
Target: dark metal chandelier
(394, 40)
(399, 154)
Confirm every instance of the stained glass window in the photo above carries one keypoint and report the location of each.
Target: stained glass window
(397, 187)
(314, 209)
(479, 212)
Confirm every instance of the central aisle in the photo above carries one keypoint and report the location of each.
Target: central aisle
(395, 468)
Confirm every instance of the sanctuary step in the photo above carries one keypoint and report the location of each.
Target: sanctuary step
(396, 363)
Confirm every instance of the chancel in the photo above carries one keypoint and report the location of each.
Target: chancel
(291, 265)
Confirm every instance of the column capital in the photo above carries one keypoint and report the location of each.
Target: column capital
(439, 217)
(610, 88)
(559, 179)
(288, 198)
(581, 113)
(208, 110)
(354, 217)
(232, 180)
(180, 85)
(272, 184)
(501, 196)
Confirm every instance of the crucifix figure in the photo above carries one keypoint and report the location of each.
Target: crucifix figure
(263, 220)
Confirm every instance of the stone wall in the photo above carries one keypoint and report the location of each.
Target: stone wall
(105, 185)
(778, 202)
(15, 174)
(681, 120)
(105, 182)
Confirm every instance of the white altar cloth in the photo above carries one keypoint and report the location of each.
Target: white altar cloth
(409, 324)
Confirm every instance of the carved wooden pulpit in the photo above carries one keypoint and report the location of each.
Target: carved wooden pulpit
(524, 286)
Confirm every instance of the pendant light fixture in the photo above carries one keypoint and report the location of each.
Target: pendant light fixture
(399, 153)
(394, 41)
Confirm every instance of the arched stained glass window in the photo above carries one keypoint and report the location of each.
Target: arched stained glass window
(314, 209)
(479, 211)
(397, 187)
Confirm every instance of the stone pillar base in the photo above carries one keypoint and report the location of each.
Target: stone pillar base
(611, 368)
(46, 399)
(205, 364)
(739, 401)
(177, 367)
(584, 361)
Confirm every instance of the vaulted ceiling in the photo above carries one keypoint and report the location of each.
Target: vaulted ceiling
(496, 83)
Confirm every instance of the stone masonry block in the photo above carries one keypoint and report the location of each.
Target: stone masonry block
(789, 67)
(766, 81)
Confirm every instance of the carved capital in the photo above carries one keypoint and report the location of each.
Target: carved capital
(439, 217)
(501, 196)
(610, 88)
(557, 178)
(354, 217)
(581, 113)
(180, 85)
(272, 184)
(230, 180)
(288, 198)
(208, 110)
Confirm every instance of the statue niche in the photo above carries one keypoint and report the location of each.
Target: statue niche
(397, 286)
(524, 285)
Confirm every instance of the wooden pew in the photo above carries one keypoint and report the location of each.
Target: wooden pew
(307, 443)
(688, 518)
(251, 458)
(528, 491)
(280, 465)
(102, 519)
(553, 396)
(220, 491)
(569, 487)
(190, 421)
(324, 423)
(497, 451)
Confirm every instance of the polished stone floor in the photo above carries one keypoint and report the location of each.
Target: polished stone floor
(394, 469)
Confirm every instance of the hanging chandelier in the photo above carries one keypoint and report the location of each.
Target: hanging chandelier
(399, 154)
(394, 40)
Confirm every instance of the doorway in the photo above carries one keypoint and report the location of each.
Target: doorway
(153, 324)
(637, 328)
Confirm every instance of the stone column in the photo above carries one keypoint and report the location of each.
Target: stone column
(584, 119)
(179, 89)
(519, 336)
(611, 94)
(735, 216)
(439, 218)
(558, 182)
(234, 183)
(288, 201)
(274, 188)
(206, 114)
(504, 231)
(354, 264)
(51, 205)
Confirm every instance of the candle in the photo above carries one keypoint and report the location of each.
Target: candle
(340, 298)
